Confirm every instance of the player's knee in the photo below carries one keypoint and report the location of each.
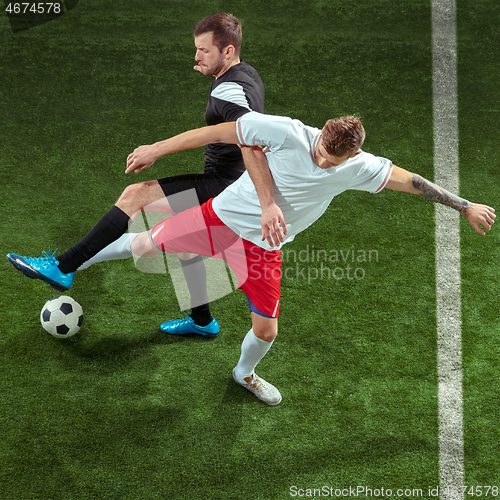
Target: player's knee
(136, 195)
(129, 193)
(266, 331)
(142, 245)
(137, 246)
(187, 256)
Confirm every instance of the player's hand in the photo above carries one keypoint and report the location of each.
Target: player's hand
(273, 225)
(480, 214)
(141, 158)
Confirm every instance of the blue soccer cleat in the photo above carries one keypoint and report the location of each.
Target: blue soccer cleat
(44, 268)
(187, 325)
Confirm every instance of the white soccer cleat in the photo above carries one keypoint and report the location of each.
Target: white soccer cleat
(265, 391)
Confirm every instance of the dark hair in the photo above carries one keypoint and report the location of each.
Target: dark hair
(226, 30)
(343, 135)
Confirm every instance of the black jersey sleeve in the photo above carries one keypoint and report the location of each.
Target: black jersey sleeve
(229, 102)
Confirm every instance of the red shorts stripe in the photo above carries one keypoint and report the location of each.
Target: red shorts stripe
(199, 230)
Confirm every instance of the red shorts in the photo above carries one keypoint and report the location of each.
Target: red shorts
(199, 230)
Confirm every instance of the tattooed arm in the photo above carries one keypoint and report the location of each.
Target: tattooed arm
(402, 180)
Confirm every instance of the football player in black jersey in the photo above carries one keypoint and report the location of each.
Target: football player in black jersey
(236, 89)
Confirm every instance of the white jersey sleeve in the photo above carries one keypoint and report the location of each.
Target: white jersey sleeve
(373, 175)
(257, 129)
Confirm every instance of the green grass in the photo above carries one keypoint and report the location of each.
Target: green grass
(122, 412)
(480, 154)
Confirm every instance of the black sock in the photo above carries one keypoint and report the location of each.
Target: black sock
(195, 274)
(108, 229)
(201, 315)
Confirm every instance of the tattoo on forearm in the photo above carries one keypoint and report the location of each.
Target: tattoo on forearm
(432, 192)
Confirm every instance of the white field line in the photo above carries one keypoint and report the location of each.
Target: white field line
(451, 467)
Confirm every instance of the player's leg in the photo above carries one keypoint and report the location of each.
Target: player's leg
(143, 244)
(46, 268)
(59, 272)
(262, 287)
(169, 195)
(120, 248)
(112, 226)
(254, 347)
(185, 234)
(197, 188)
(195, 275)
(178, 193)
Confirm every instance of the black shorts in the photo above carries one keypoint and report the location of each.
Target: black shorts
(206, 185)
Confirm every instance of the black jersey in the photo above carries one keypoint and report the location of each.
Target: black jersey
(238, 91)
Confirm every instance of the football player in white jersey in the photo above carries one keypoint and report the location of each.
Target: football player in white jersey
(303, 170)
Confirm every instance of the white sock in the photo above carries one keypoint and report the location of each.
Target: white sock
(253, 350)
(119, 249)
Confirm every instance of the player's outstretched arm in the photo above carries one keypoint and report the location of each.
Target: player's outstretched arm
(272, 220)
(144, 156)
(478, 215)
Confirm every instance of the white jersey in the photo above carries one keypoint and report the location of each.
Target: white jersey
(302, 190)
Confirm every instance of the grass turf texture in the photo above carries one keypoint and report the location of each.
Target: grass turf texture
(479, 106)
(121, 411)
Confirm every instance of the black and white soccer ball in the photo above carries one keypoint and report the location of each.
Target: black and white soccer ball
(62, 317)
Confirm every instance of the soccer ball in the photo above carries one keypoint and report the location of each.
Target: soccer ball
(62, 317)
